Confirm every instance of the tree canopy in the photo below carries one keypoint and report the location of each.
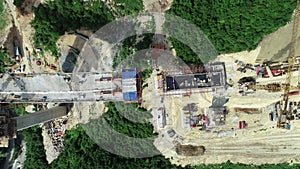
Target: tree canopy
(54, 18)
(233, 26)
(5, 60)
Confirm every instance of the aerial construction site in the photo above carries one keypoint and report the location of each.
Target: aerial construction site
(243, 107)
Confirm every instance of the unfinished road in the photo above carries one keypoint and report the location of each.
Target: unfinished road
(259, 149)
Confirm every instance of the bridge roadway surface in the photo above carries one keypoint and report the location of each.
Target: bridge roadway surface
(30, 120)
(55, 88)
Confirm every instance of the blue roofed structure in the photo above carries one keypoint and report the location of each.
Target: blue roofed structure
(131, 85)
(128, 73)
(130, 96)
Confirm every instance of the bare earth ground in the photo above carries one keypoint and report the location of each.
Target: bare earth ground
(261, 142)
(275, 47)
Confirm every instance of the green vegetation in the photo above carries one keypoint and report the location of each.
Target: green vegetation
(18, 3)
(130, 46)
(122, 125)
(20, 111)
(184, 52)
(145, 75)
(54, 18)
(233, 26)
(35, 153)
(5, 60)
(129, 114)
(80, 150)
(2, 17)
(3, 154)
(128, 7)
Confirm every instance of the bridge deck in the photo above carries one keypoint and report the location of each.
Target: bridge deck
(33, 119)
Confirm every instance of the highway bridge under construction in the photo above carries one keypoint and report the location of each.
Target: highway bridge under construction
(125, 86)
(10, 125)
(68, 88)
(61, 88)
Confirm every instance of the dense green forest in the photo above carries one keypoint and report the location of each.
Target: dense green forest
(185, 52)
(18, 3)
(35, 153)
(55, 18)
(233, 26)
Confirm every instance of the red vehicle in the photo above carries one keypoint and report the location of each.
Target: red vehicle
(38, 63)
(205, 118)
(257, 70)
(53, 67)
(276, 72)
(59, 134)
(242, 124)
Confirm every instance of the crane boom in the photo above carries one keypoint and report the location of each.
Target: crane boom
(291, 59)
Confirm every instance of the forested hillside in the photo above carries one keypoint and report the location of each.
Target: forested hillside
(54, 18)
(233, 26)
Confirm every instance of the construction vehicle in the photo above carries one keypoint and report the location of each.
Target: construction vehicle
(17, 50)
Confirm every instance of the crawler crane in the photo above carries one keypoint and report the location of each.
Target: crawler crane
(291, 59)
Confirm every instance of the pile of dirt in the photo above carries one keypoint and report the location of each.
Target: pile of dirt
(190, 150)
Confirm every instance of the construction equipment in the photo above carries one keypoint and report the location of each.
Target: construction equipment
(286, 87)
(273, 87)
(291, 59)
